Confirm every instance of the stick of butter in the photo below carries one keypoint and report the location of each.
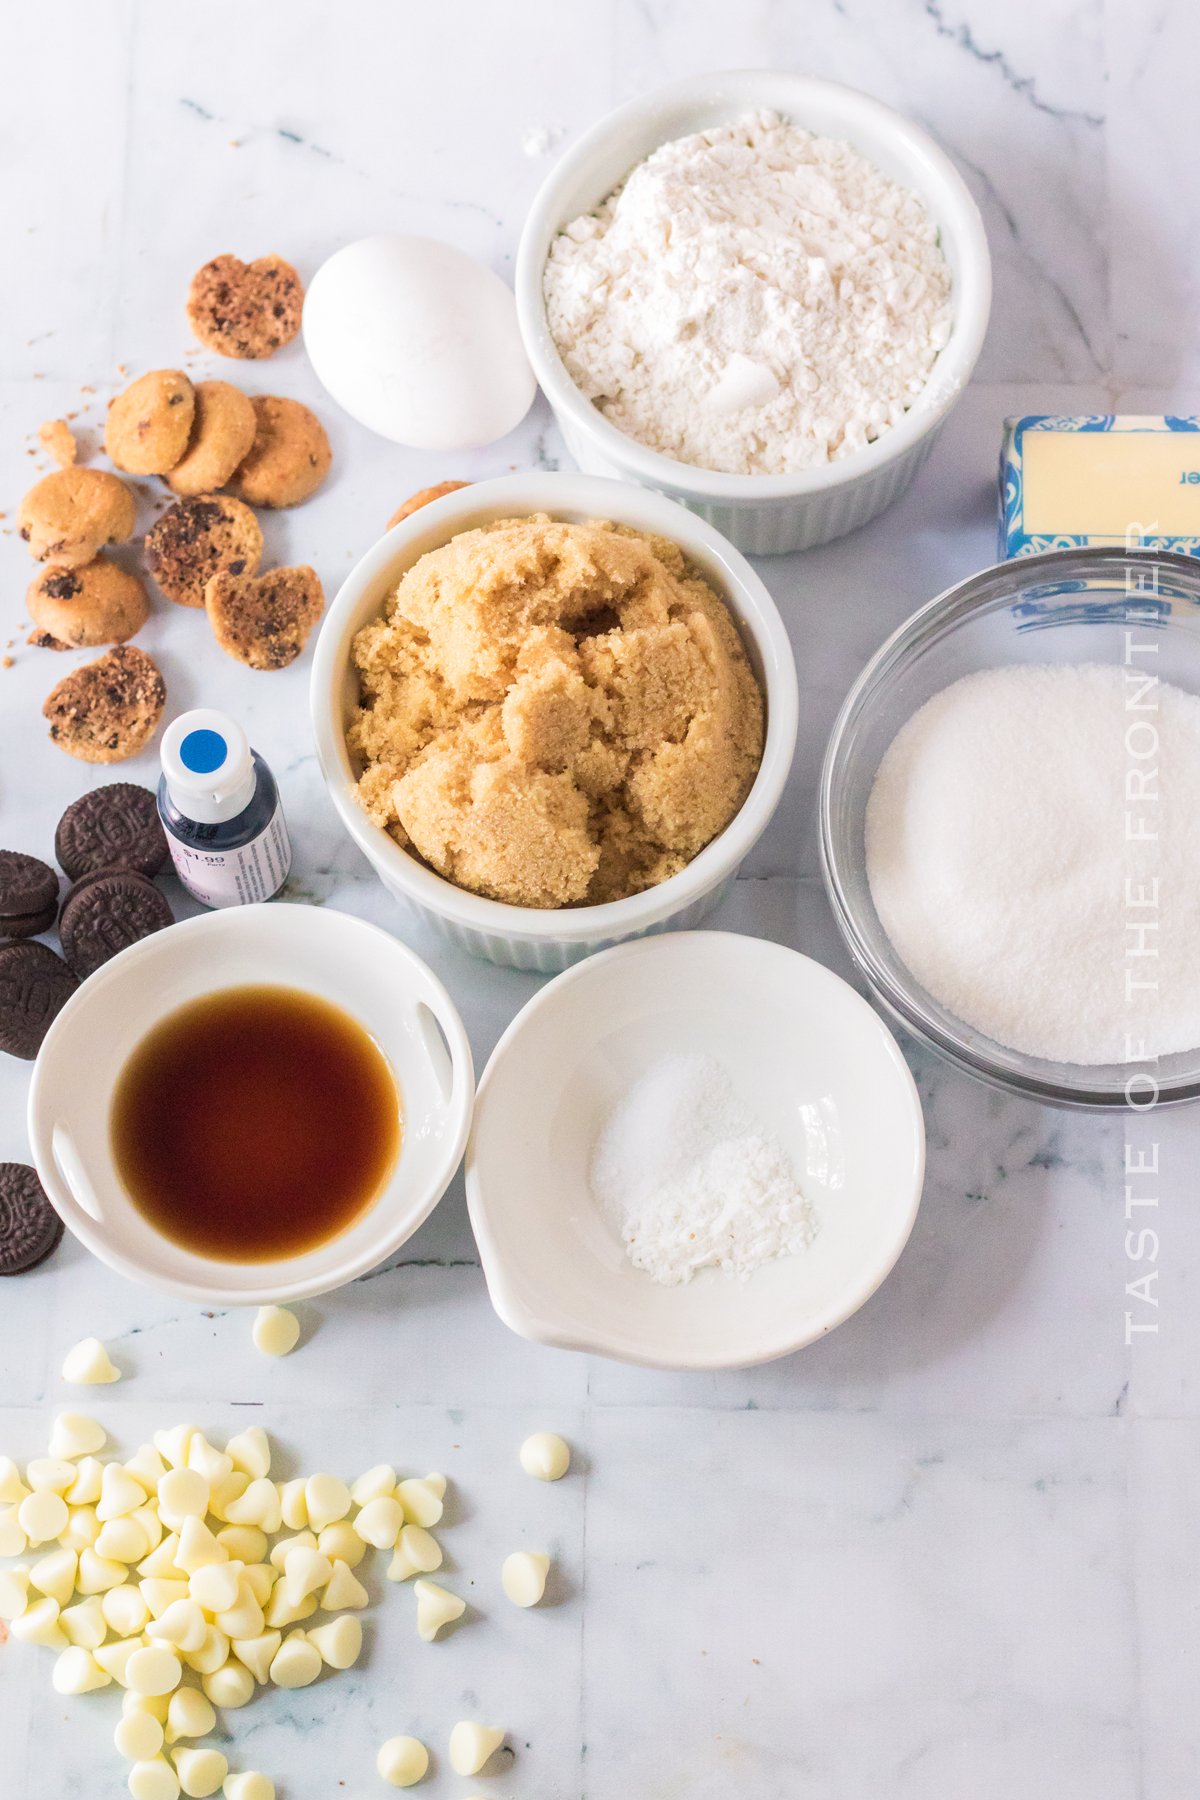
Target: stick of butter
(1103, 478)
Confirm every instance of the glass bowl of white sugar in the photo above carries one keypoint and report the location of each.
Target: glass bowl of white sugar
(1010, 826)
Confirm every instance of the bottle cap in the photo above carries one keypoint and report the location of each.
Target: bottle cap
(208, 766)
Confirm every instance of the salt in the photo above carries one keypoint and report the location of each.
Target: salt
(1033, 853)
(690, 1179)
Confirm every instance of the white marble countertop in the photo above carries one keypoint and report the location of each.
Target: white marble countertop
(948, 1552)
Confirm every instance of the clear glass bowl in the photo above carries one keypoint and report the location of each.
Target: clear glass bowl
(1067, 606)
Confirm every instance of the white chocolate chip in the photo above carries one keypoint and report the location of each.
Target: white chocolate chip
(417, 1553)
(200, 1772)
(161, 1560)
(55, 1575)
(340, 1542)
(296, 1663)
(377, 1484)
(138, 1736)
(172, 1445)
(326, 1499)
(523, 1576)
(119, 1493)
(116, 1658)
(14, 1593)
(292, 1504)
(258, 1653)
(244, 1619)
(402, 1761)
(279, 1610)
(436, 1606)
(12, 1489)
(42, 1516)
(53, 1474)
(244, 1543)
(304, 1571)
(125, 1610)
(421, 1498)
(182, 1626)
(98, 1573)
(89, 1365)
(189, 1715)
(212, 1654)
(76, 1671)
(153, 1779)
(182, 1494)
(249, 1785)
(339, 1642)
(276, 1330)
(472, 1745)
(154, 1670)
(197, 1547)
(123, 1540)
(13, 1541)
(215, 1586)
(157, 1705)
(84, 1623)
(147, 1466)
(250, 1451)
(85, 1489)
(230, 1686)
(162, 1591)
(75, 1434)
(545, 1456)
(380, 1522)
(258, 1505)
(280, 1551)
(205, 1459)
(345, 1591)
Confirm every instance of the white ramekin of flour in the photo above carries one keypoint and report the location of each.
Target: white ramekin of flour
(765, 514)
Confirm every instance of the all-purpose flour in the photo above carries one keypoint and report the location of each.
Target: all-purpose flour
(754, 299)
(1033, 852)
(691, 1179)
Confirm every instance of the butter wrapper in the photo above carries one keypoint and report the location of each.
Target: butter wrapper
(1102, 478)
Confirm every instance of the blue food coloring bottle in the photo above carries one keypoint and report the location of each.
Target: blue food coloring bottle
(221, 812)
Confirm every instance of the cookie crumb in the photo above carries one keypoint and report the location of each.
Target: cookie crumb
(245, 310)
(58, 438)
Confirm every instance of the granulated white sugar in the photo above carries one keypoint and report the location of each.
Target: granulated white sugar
(691, 1179)
(1033, 852)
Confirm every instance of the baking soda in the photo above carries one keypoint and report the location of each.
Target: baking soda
(691, 1179)
(1033, 852)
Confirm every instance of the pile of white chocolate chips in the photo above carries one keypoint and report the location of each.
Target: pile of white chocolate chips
(189, 1578)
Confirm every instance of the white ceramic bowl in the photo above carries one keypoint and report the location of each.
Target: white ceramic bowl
(523, 936)
(805, 1051)
(762, 514)
(367, 972)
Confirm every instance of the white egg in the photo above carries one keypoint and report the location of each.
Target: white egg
(419, 342)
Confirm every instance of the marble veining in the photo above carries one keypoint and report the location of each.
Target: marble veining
(947, 1552)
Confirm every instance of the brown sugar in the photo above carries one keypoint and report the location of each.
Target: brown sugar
(554, 714)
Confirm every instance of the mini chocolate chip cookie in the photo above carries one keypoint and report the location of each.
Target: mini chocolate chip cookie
(264, 620)
(30, 1229)
(149, 425)
(197, 539)
(290, 457)
(247, 310)
(28, 895)
(109, 709)
(78, 609)
(105, 913)
(423, 497)
(35, 985)
(71, 515)
(112, 827)
(222, 435)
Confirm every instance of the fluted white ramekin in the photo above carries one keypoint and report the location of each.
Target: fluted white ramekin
(527, 937)
(765, 515)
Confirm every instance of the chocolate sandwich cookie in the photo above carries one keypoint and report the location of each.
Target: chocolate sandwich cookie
(28, 895)
(112, 827)
(30, 1229)
(35, 985)
(105, 913)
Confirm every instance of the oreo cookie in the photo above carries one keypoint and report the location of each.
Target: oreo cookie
(35, 985)
(28, 895)
(105, 913)
(112, 827)
(30, 1229)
